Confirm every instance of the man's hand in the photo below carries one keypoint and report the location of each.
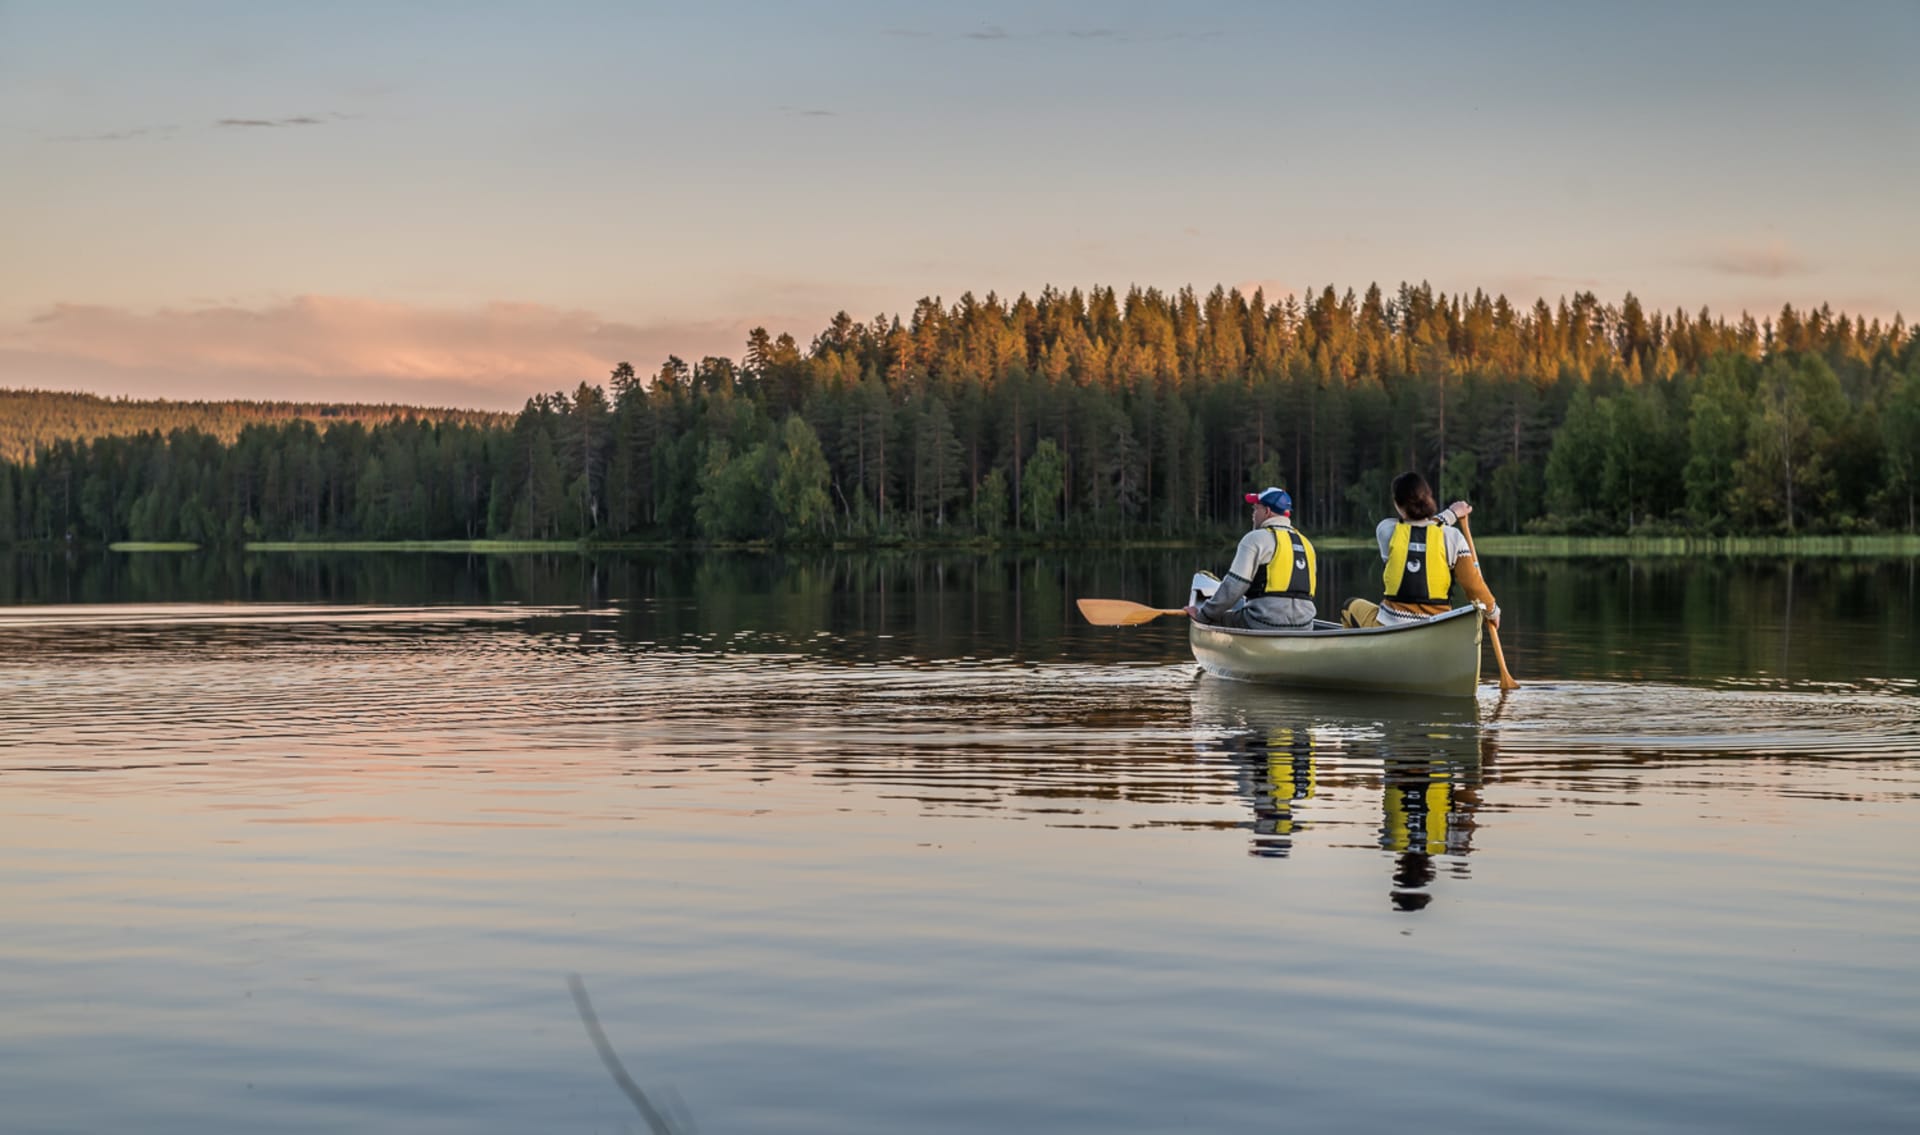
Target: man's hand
(1460, 509)
(1193, 612)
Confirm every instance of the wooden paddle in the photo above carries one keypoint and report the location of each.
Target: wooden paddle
(1493, 632)
(1120, 613)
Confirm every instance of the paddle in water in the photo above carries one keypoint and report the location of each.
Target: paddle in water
(1121, 613)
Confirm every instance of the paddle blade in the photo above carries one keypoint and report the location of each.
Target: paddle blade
(1121, 613)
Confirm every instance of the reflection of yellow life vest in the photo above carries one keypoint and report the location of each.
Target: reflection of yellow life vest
(1290, 774)
(1417, 570)
(1293, 572)
(1419, 808)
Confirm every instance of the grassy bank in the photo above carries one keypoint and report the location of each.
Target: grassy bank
(471, 546)
(1559, 546)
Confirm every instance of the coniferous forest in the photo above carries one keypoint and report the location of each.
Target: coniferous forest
(33, 419)
(1088, 415)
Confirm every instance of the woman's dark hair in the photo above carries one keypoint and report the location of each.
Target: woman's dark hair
(1414, 496)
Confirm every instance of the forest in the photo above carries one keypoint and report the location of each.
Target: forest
(1094, 415)
(33, 419)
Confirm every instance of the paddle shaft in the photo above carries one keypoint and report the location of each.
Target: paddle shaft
(1493, 632)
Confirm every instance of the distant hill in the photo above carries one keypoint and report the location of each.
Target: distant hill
(30, 419)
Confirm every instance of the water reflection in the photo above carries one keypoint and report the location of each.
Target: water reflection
(874, 843)
(1779, 620)
(1422, 760)
(1429, 805)
(1276, 769)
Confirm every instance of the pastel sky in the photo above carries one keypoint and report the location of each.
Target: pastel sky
(467, 203)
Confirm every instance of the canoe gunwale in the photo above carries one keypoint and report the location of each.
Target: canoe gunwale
(1324, 629)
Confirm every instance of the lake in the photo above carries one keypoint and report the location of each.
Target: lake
(894, 842)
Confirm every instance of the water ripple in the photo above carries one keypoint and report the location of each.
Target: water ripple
(207, 682)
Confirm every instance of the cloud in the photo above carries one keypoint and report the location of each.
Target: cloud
(994, 33)
(136, 132)
(296, 120)
(1272, 291)
(1523, 288)
(320, 347)
(1769, 260)
(116, 135)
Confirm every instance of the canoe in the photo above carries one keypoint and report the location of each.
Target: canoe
(1439, 656)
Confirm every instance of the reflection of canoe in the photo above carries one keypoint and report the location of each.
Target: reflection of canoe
(1439, 656)
(1222, 704)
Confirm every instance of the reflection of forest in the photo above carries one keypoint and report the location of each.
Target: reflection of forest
(927, 605)
(1287, 746)
(1620, 617)
(1610, 618)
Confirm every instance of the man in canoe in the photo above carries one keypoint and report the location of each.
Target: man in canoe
(1270, 584)
(1425, 554)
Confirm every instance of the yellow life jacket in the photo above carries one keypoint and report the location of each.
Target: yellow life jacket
(1294, 571)
(1417, 569)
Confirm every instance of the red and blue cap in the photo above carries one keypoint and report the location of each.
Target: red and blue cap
(1276, 500)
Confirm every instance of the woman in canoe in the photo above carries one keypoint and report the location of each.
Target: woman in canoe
(1425, 554)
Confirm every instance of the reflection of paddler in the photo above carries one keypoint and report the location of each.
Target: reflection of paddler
(1428, 806)
(1432, 754)
(1276, 768)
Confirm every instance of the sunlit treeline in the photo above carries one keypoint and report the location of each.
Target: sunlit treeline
(31, 420)
(1089, 415)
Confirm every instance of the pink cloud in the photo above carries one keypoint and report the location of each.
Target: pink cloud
(1273, 291)
(1769, 259)
(327, 347)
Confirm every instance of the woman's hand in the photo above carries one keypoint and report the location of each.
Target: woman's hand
(1460, 509)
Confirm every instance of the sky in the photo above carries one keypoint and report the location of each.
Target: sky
(465, 204)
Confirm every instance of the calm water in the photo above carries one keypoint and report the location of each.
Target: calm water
(883, 844)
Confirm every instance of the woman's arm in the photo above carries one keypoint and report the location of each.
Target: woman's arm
(1466, 572)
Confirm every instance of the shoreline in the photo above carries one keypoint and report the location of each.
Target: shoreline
(1542, 547)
